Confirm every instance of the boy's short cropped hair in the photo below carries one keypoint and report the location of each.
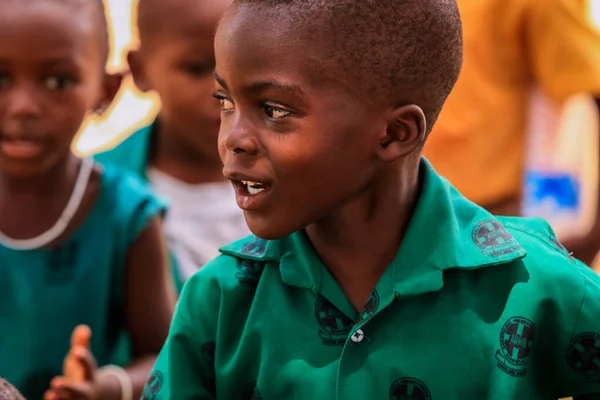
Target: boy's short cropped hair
(8, 391)
(409, 51)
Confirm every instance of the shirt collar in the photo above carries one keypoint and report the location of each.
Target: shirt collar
(446, 231)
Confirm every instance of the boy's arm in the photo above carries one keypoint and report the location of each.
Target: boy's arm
(185, 366)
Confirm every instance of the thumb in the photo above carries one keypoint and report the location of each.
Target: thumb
(81, 337)
(87, 364)
(73, 369)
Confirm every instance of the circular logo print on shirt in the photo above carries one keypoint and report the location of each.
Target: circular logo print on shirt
(409, 389)
(370, 308)
(516, 341)
(256, 247)
(493, 239)
(208, 353)
(249, 271)
(251, 392)
(153, 386)
(583, 354)
(335, 325)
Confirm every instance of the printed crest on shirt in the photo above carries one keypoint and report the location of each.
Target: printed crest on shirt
(335, 325)
(370, 308)
(153, 386)
(61, 264)
(255, 247)
(583, 355)
(516, 341)
(249, 271)
(251, 392)
(409, 388)
(493, 239)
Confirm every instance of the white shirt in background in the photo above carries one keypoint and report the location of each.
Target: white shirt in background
(200, 219)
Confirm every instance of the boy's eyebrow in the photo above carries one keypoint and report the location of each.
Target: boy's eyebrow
(220, 80)
(262, 85)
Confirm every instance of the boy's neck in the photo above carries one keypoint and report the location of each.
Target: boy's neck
(183, 161)
(361, 239)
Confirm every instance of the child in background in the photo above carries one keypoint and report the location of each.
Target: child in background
(370, 276)
(178, 153)
(78, 244)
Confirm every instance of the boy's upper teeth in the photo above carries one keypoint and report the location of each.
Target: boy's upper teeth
(250, 183)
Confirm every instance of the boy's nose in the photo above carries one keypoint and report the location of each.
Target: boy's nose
(238, 139)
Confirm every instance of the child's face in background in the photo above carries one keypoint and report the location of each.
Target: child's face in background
(51, 75)
(177, 61)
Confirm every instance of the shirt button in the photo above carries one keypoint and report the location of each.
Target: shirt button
(358, 336)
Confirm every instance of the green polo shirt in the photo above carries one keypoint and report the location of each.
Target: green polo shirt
(473, 307)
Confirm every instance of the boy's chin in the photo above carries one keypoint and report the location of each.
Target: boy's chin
(268, 228)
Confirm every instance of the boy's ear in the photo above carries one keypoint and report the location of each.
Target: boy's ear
(111, 86)
(136, 66)
(405, 132)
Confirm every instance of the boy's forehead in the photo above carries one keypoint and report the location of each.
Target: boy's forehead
(249, 40)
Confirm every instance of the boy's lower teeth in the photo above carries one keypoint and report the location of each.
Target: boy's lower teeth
(254, 190)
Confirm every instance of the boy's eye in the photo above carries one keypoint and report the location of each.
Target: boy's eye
(226, 105)
(275, 112)
(58, 82)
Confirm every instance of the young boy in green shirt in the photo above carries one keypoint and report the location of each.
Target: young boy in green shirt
(370, 276)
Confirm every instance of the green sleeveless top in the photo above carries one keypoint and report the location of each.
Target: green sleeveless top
(46, 293)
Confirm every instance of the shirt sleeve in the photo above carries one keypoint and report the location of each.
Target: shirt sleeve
(185, 366)
(565, 47)
(581, 362)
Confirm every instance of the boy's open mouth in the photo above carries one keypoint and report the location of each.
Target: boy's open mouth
(251, 187)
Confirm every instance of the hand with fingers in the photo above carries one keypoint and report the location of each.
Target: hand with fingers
(78, 381)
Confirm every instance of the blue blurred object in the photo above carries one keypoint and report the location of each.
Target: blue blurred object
(562, 191)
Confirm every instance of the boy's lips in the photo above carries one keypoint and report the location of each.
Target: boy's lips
(251, 193)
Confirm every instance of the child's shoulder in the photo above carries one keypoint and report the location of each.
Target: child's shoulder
(552, 269)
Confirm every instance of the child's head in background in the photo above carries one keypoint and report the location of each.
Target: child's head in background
(176, 59)
(52, 74)
(8, 391)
